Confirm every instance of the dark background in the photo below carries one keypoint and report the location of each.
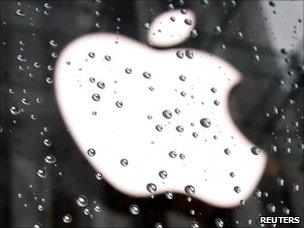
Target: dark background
(267, 106)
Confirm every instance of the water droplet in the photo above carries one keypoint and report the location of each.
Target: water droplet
(124, 162)
(82, 201)
(227, 151)
(101, 85)
(134, 209)
(147, 75)
(151, 188)
(217, 30)
(119, 104)
(180, 54)
(167, 114)
(41, 173)
(169, 195)
(271, 208)
(286, 211)
(189, 190)
(195, 134)
(172, 19)
(21, 58)
(67, 218)
(194, 224)
(91, 152)
(172, 154)
(180, 128)
(189, 54)
(53, 43)
(219, 222)
(20, 13)
(96, 97)
(182, 78)
(280, 181)
(232, 174)
(14, 110)
(25, 101)
(237, 189)
(108, 58)
(188, 21)
(128, 70)
(97, 208)
(255, 150)
(47, 142)
(159, 127)
(158, 225)
(257, 194)
(193, 33)
(92, 79)
(50, 159)
(92, 55)
(98, 176)
(205, 122)
(295, 187)
(177, 111)
(163, 174)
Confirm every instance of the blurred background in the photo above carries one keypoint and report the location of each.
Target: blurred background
(45, 182)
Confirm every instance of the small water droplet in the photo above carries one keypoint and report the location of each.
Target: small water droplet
(151, 188)
(219, 222)
(119, 104)
(172, 154)
(189, 190)
(41, 173)
(237, 189)
(163, 174)
(180, 54)
(205, 122)
(67, 218)
(82, 201)
(159, 127)
(92, 55)
(134, 209)
(124, 162)
(167, 114)
(255, 150)
(147, 75)
(91, 152)
(50, 159)
(96, 97)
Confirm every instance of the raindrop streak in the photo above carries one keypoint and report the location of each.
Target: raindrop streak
(134, 209)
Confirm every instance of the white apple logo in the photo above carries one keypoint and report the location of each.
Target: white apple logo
(153, 121)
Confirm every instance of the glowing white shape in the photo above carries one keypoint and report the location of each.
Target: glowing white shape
(170, 28)
(118, 133)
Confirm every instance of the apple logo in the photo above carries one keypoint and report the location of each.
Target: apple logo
(153, 121)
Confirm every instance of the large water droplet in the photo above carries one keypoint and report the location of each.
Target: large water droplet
(151, 188)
